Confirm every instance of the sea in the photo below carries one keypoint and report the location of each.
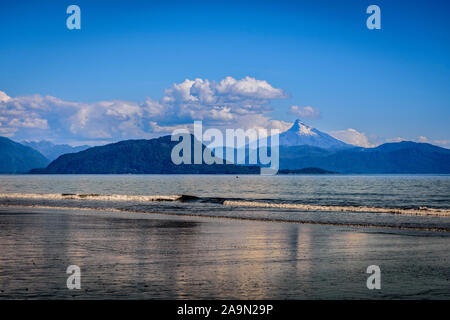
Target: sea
(225, 236)
(390, 201)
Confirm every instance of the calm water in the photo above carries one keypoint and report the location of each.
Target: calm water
(335, 199)
(125, 249)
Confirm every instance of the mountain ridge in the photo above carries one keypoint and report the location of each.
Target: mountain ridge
(136, 157)
(153, 156)
(399, 157)
(52, 151)
(17, 158)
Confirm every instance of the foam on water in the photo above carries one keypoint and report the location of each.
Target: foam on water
(110, 197)
(420, 211)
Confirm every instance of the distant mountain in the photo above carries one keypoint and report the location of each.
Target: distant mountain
(153, 156)
(401, 157)
(298, 137)
(16, 158)
(301, 134)
(135, 156)
(52, 151)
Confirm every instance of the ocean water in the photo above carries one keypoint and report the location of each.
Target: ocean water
(388, 201)
(207, 237)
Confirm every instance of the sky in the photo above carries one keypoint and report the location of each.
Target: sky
(140, 69)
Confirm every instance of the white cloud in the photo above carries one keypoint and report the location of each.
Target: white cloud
(29, 123)
(442, 143)
(4, 97)
(422, 139)
(157, 128)
(307, 112)
(248, 87)
(352, 136)
(219, 102)
(153, 108)
(229, 103)
(397, 139)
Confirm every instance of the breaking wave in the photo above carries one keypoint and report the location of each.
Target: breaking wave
(420, 211)
(91, 196)
(423, 211)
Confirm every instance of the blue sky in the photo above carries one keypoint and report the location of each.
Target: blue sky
(113, 79)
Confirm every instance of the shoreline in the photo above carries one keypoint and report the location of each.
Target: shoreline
(232, 202)
(192, 215)
(126, 255)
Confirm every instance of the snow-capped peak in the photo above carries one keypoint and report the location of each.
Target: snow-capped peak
(302, 128)
(302, 134)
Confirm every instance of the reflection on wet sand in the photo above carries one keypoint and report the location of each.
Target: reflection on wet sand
(133, 255)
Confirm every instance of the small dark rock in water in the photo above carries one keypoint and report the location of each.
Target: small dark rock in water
(186, 197)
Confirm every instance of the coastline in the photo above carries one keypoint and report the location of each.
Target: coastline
(259, 219)
(124, 255)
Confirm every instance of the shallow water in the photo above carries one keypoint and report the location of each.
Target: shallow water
(395, 201)
(150, 256)
(224, 240)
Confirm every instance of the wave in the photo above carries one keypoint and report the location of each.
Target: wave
(91, 196)
(421, 211)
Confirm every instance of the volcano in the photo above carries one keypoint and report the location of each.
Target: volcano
(302, 134)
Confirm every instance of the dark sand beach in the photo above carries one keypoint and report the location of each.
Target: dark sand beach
(155, 256)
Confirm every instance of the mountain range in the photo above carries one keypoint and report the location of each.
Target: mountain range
(53, 151)
(136, 157)
(17, 158)
(400, 157)
(300, 147)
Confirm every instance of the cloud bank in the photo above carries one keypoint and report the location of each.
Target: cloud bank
(229, 103)
(360, 139)
(354, 137)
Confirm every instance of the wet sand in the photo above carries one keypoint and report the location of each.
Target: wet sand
(151, 256)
